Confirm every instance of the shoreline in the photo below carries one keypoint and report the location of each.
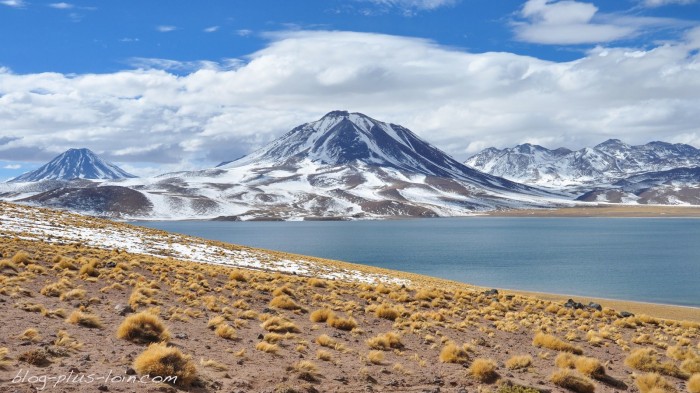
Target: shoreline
(605, 211)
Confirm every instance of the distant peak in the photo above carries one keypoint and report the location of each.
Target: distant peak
(82, 150)
(612, 142)
(337, 114)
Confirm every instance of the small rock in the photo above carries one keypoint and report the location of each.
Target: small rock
(123, 309)
(626, 314)
(181, 336)
(111, 265)
(130, 371)
(573, 304)
(595, 306)
(491, 292)
(103, 388)
(85, 358)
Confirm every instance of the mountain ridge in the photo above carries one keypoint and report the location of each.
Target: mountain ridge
(75, 163)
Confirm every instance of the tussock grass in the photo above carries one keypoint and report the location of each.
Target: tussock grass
(346, 324)
(323, 355)
(226, 331)
(73, 294)
(279, 325)
(5, 361)
(213, 364)
(375, 357)
(387, 312)
(647, 359)
(143, 328)
(691, 366)
(30, 335)
(284, 302)
(573, 381)
(163, 361)
(306, 370)
(36, 357)
(549, 341)
(694, 384)
(484, 370)
(385, 342)
(451, 353)
(518, 362)
(267, 347)
(653, 383)
(321, 315)
(84, 319)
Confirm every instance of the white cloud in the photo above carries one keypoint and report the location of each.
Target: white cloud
(415, 4)
(456, 100)
(166, 28)
(12, 166)
(659, 3)
(244, 32)
(61, 6)
(211, 29)
(13, 3)
(568, 22)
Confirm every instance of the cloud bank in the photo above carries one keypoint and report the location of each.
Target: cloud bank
(459, 101)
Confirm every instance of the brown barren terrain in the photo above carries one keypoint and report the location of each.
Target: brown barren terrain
(72, 309)
(606, 210)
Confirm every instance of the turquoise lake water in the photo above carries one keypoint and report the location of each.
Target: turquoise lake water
(641, 259)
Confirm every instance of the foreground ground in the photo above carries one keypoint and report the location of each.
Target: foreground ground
(82, 297)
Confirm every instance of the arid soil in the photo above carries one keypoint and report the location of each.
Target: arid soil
(606, 210)
(75, 310)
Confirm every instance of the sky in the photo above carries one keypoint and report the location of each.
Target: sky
(159, 86)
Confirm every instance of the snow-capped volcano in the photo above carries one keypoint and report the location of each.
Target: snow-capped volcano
(75, 164)
(343, 138)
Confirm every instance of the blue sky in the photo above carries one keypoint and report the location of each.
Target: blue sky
(167, 85)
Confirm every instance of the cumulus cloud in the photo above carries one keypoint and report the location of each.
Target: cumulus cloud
(569, 22)
(415, 4)
(459, 101)
(12, 166)
(211, 29)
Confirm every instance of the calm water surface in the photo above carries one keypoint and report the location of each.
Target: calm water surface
(654, 260)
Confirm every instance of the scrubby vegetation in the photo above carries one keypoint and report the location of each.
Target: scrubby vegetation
(94, 309)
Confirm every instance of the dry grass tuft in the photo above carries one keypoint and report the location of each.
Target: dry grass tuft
(519, 362)
(375, 357)
(653, 383)
(226, 331)
(548, 341)
(84, 319)
(346, 324)
(143, 328)
(279, 325)
(307, 370)
(387, 312)
(321, 315)
(691, 366)
(213, 364)
(30, 335)
(385, 341)
(694, 384)
(323, 355)
(4, 359)
(167, 363)
(267, 347)
(73, 294)
(483, 370)
(647, 359)
(284, 302)
(451, 353)
(573, 381)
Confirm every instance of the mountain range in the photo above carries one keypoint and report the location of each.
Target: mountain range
(344, 165)
(348, 165)
(613, 171)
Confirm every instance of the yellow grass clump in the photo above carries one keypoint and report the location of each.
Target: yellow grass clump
(385, 341)
(323, 355)
(84, 319)
(518, 362)
(694, 384)
(346, 324)
(284, 302)
(387, 312)
(573, 381)
(168, 363)
(375, 357)
(4, 359)
(653, 383)
(266, 347)
(483, 370)
(279, 325)
(226, 331)
(142, 328)
(647, 359)
(321, 315)
(30, 335)
(451, 353)
(548, 341)
(691, 366)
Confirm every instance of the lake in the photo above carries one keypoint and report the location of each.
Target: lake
(642, 259)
